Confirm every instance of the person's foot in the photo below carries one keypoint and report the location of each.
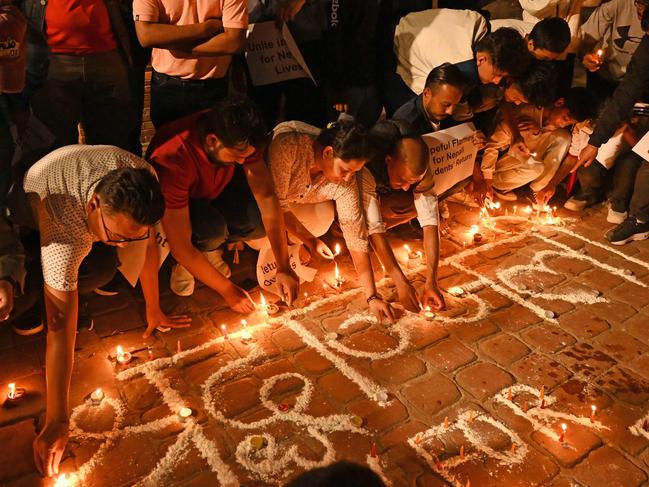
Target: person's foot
(215, 257)
(463, 198)
(109, 289)
(628, 231)
(444, 212)
(574, 204)
(505, 195)
(181, 282)
(616, 217)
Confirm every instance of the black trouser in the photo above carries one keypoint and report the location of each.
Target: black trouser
(640, 201)
(173, 97)
(592, 183)
(624, 180)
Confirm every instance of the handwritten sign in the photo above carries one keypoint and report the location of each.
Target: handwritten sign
(452, 155)
(272, 55)
(267, 267)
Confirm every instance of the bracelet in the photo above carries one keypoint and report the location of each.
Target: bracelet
(373, 297)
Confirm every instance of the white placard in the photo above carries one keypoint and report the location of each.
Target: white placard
(267, 267)
(132, 256)
(272, 55)
(642, 147)
(452, 155)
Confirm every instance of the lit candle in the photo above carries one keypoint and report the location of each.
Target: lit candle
(446, 422)
(528, 210)
(337, 250)
(121, 356)
(224, 330)
(246, 336)
(14, 394)
(63, 481)
(533, 154)
(184, 413)
(515, 210)
(269, 308)
(339, 280)
(564, 428)
(373, 450)
(600, 55)
(593, 409)
(97, 396)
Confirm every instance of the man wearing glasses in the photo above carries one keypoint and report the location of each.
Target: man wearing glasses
(86, 201)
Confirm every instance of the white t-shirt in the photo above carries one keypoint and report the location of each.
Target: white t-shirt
(424, 40)
(58, 188)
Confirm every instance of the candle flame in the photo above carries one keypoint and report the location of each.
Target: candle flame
(244, 323)
(593, 408)
(262, 302)
(407, 247)
(337, 250)
(12, 390)
(223, 327)
(427, 309)
(63, 481)
(600, 52)
(474, 229)
(564, 427)
(528, 209)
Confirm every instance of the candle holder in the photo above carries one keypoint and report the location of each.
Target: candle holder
(268, 308)
(96, 397)
(257, 442)
(414, 257)
(477, 238)
(428, 314)
(14, 394)
(456, 291)
(184, 413)
(122, 357)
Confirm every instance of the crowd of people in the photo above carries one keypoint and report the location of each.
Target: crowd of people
(231, 162)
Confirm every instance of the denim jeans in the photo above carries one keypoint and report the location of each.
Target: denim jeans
(624, 179)
(92, 90)
(232, 217)
(173, 98)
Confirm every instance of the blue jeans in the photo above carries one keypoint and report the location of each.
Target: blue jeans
(173, 98)
(232, 217)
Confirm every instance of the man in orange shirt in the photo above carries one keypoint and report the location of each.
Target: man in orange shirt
(193, 44)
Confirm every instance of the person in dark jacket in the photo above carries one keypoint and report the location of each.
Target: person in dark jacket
(634, 85)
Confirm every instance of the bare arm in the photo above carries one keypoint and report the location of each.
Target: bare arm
(407, 294)
(363, 265)
(149, 282)
(261, 185)
(177, 226)
(432, 296)
(231, 41)
(183, 37)
(61, 308)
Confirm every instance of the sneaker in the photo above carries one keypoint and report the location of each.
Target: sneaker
(627, 231)
(181, 282)
(110, 288)
(616, 217)
(444, 212)
(215, 257)
(574, 204)
(505, 196)
(463, 198)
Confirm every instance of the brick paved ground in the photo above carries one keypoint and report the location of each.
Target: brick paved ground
(445, 401)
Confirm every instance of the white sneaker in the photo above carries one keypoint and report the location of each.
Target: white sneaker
(616, 217)
(573, 204)
(444, 212)
(215, 257)
(181, 282)
(463, 198)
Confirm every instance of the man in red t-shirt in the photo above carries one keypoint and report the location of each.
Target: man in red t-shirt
(216, 189)
(88, 79)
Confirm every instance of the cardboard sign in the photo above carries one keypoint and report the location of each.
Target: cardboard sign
(642, 147)
(272, 55)
(267, 267)
(132, 256)
(452, 155)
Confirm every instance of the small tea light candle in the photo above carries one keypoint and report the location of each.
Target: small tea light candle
(257, 442)
(428, 314)
(121, 356)
(97, 396)
(246, 336)
(339, 280)
(337, 250)
(269, 308)
(564, 428)
(224, 330)
(456, 291)
(184, 413)
(14, 394)
(63, 481)
(593, 409)
(477, 238)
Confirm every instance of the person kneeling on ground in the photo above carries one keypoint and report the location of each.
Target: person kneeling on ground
(315, 170)
(217, 189)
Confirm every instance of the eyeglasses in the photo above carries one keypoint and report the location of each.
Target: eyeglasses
(115, 237)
